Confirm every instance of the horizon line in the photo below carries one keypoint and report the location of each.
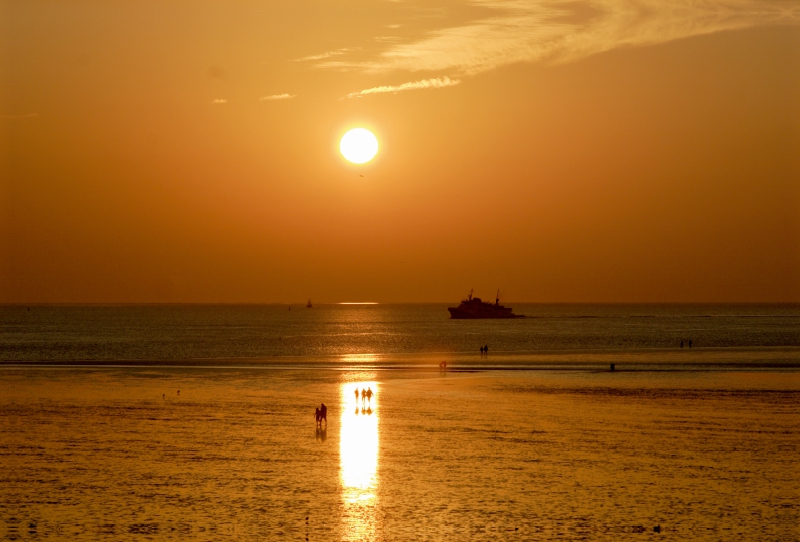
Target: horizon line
(303, 303)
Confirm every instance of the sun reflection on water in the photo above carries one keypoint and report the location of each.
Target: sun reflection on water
(359, 460)
(350, 360)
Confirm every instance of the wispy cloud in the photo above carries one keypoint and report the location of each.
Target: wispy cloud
(563, 30)
(327, 54)
(26, 116)
(425, 83)
(278, 97)
(219, 101)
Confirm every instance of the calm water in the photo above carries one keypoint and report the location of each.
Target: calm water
(528, 455)
(402, 334)
(703, 442)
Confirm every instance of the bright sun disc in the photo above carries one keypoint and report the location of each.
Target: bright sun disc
(359, 145)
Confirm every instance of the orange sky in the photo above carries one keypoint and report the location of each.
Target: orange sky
(590, 151)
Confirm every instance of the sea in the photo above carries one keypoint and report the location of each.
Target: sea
(197, 422)
(382, 335)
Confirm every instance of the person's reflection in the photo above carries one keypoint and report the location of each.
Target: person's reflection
(322, 434)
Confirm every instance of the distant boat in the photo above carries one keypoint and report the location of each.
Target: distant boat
(309, 305)
(473, 307)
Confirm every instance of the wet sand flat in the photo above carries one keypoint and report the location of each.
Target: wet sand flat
(100, 454)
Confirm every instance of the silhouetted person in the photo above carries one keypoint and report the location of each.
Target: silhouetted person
(690, 343)
(681, 343)
(485, 348)
(369, 395)
(612, 368)
(363, 395)
(323, 413)
(481, 350)
(179, 392)
(356, 395)
(443, 366)
(317, 416)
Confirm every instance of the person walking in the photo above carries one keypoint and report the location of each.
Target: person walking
(369, 395)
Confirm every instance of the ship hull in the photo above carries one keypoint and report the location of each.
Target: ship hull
(457, 313)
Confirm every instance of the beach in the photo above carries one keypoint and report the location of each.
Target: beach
(216, 453)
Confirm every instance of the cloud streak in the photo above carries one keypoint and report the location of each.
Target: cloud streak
(556, 31)
(277, 97)
(415, 85)
(26, 116)
(324, 55)
(219, 101)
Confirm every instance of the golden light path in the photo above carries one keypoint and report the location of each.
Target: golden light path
(349, 360)
(359, 460)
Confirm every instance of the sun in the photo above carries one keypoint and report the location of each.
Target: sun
(359, 145)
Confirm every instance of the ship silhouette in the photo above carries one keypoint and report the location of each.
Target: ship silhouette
(473, 307)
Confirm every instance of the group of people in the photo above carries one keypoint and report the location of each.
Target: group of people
(366, 395)
(321, 412)
(485, 349)
(690, 343)
(321, 415)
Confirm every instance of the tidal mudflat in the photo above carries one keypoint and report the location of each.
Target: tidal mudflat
(213, 454)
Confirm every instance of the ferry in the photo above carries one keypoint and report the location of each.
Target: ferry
(474, 307)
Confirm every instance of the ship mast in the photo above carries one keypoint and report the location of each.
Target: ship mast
(497, 297)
